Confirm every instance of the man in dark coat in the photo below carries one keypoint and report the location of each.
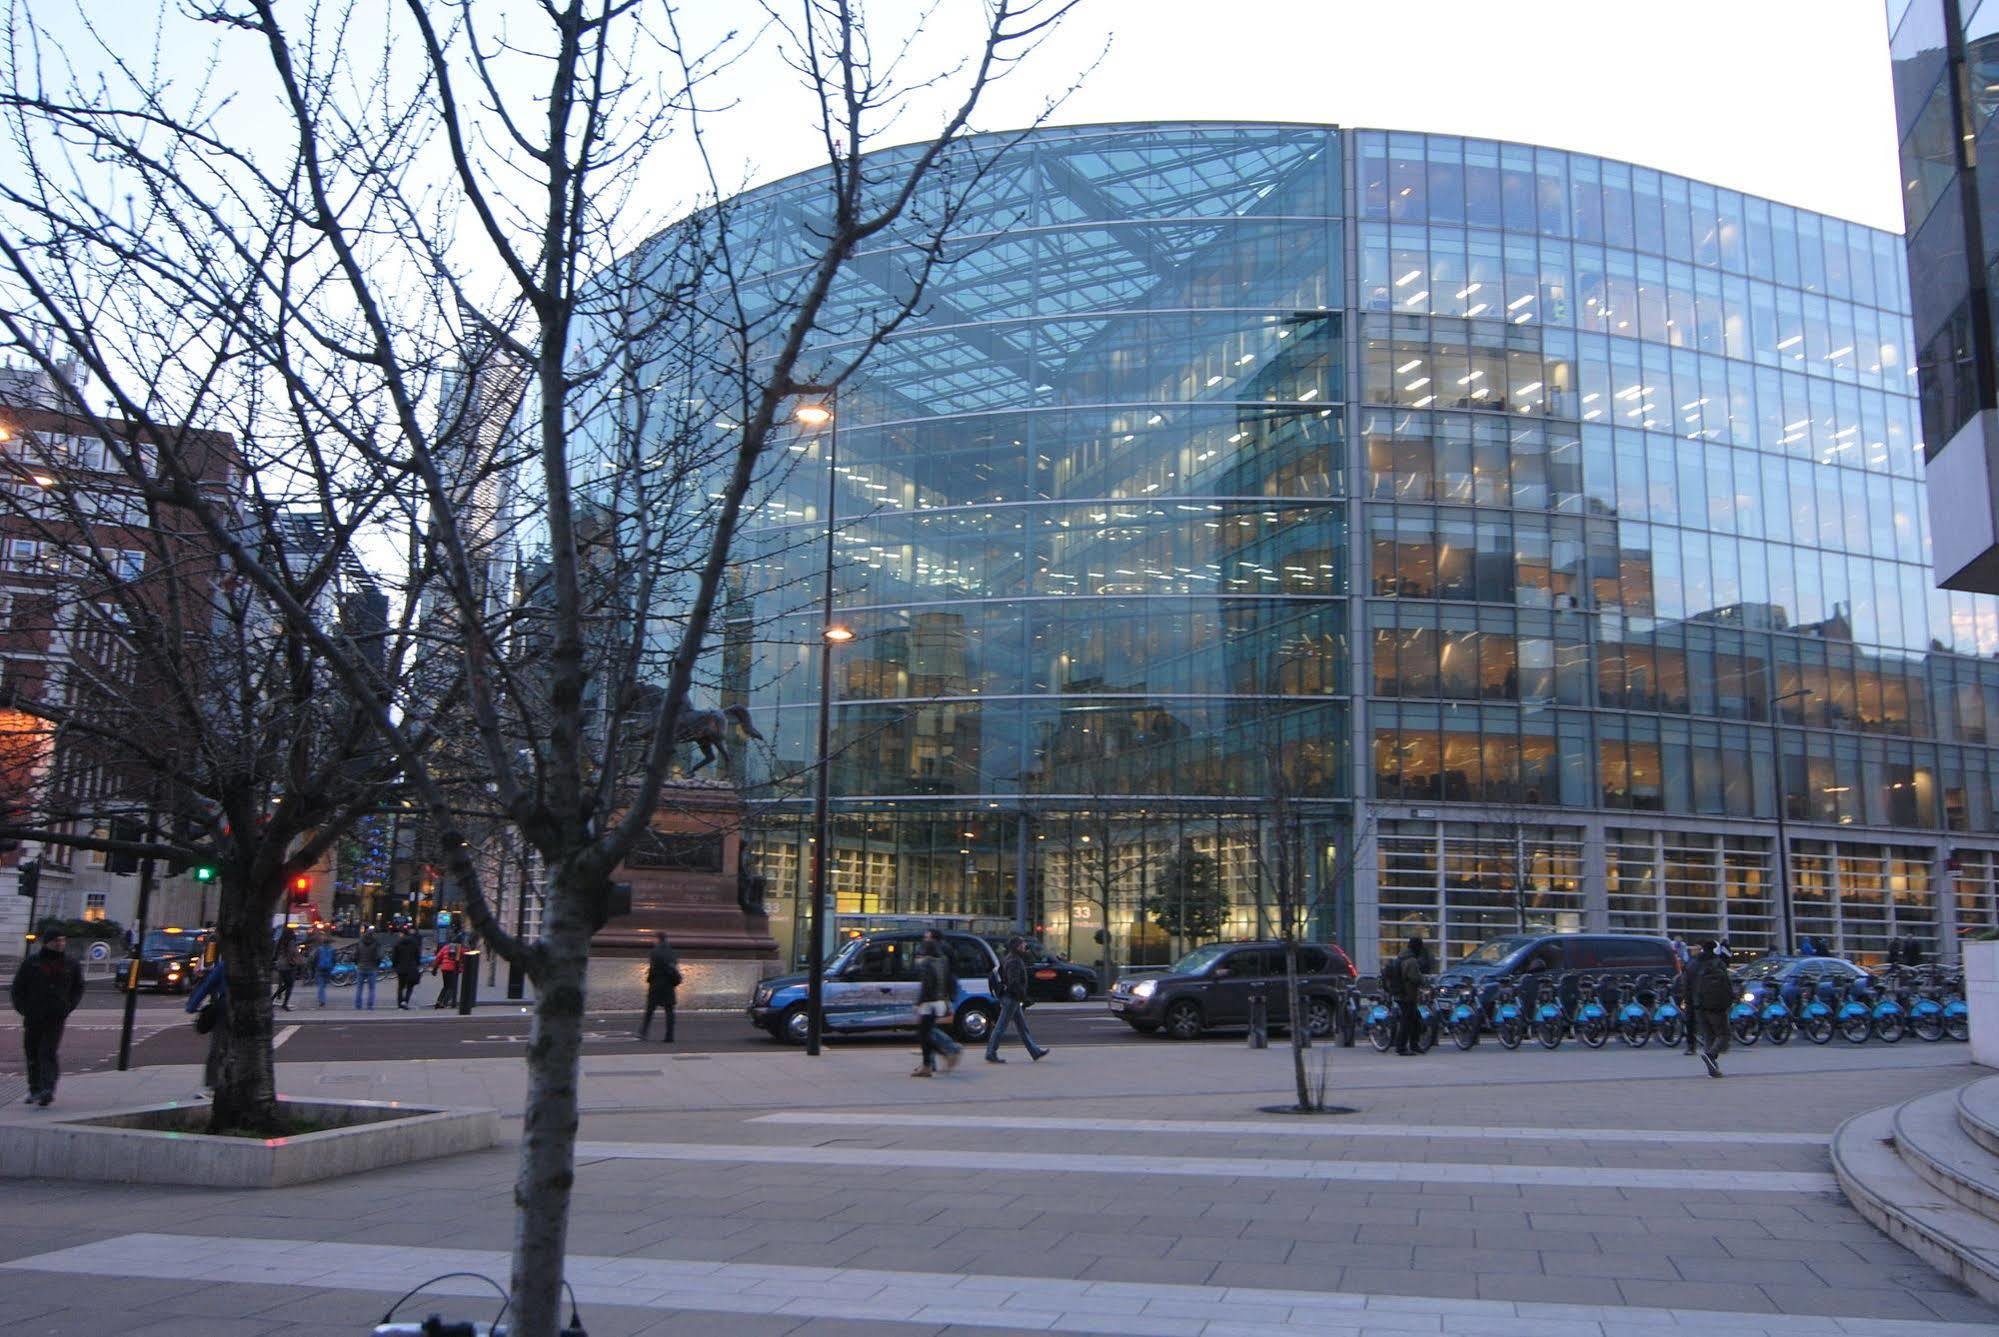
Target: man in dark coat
(1403, 980)
(47, 988)
(1710, 991)
(1012, 1002)
(406, 957)
(662, 986)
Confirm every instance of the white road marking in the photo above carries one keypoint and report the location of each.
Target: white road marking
(929, 1298)
(1327, 1127)
(283, 1035)
(981, 1160)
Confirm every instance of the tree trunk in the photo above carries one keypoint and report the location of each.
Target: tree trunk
(247, 1098)
(548, 1135)
(1300, 1036)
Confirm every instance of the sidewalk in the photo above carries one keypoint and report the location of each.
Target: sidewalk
(1126, 1188)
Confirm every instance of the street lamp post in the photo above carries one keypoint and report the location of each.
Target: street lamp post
(823, 414)
(1787, 938)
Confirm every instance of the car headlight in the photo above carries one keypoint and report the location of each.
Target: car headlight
(762, 995)
(1144, 988)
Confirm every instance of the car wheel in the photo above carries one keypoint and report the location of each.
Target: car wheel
(794, 1026)
(1079, 992)
(1184, 1020)
(1318, 1017)
(974, 1024)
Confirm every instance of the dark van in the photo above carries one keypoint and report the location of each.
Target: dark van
(1611, 957)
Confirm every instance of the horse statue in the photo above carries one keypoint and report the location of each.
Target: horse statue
(709, 729)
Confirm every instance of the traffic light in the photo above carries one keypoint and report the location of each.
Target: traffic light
(30, 878)
(204, 872)
(302, 887)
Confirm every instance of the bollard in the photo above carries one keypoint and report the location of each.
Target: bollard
(1349, 1018)
(1259, 1021)
(468, 981)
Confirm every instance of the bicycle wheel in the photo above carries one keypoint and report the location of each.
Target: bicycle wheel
(1854, 1030)
(1549, 1033)
(1957, 1027)
(1928, 1027)
(1381, 1034)
(1778, 1030)
(1669, 1031)
(1817, 1029)
(1465, 1033)
(1746, 1030)
(1635, 1031)
(1593, 1031)
(1888, 1029)
(1508, 1032)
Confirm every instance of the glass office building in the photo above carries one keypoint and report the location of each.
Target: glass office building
(1457, 535)
(1946, 78)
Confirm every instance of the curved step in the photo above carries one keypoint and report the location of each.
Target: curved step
(1978, 1112)
(1933, 1143)
(1886, 1191)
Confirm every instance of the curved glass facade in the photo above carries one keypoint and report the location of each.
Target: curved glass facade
(1495, 528)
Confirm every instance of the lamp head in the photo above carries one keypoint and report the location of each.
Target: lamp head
(814, 415)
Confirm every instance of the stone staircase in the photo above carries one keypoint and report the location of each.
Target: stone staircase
(1926, 1172)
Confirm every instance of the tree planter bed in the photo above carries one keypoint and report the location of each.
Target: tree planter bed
(167, 1144)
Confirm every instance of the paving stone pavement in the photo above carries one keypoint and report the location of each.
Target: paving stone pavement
(859, 1201)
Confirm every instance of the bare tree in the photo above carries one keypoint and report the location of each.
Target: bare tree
(179, 720)
(456, 176)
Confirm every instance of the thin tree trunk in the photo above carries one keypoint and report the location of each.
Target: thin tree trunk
(1300, 1035)
(247, 1097)
(548, 1138)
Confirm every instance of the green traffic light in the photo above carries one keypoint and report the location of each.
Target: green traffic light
(204, 872)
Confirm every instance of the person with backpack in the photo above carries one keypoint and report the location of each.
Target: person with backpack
(1402, 980)
(209, 1005)
(663, 979)
(406, 960)
(46, 989)
(284, 962)
(445, 966)
(367, 960)
(323, 958)
(1009, 986)
(939, 992)
(1709, 993)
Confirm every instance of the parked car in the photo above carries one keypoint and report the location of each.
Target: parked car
(1052, 977)
(1610, 957)
(871, 985)
(1210, 988)
(1785, 973)
(171, 961)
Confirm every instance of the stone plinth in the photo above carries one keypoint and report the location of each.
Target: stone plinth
(688, 882)
(165, 1144)
(1981, 995)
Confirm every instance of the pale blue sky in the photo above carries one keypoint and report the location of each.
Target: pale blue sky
(1786, 98)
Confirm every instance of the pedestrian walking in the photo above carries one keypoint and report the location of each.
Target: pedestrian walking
(1912, 951)
(47, 988)
(445, 967)
(1012, 989)
(938, 993)
(284, 963)
(662, 986)
(1402, 980)
(1709, 991)
(367, 961)
(210, 1005)
(406, 959)
(322, 966)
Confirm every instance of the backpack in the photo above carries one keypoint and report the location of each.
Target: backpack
(1391, 976)
(1712, 987)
